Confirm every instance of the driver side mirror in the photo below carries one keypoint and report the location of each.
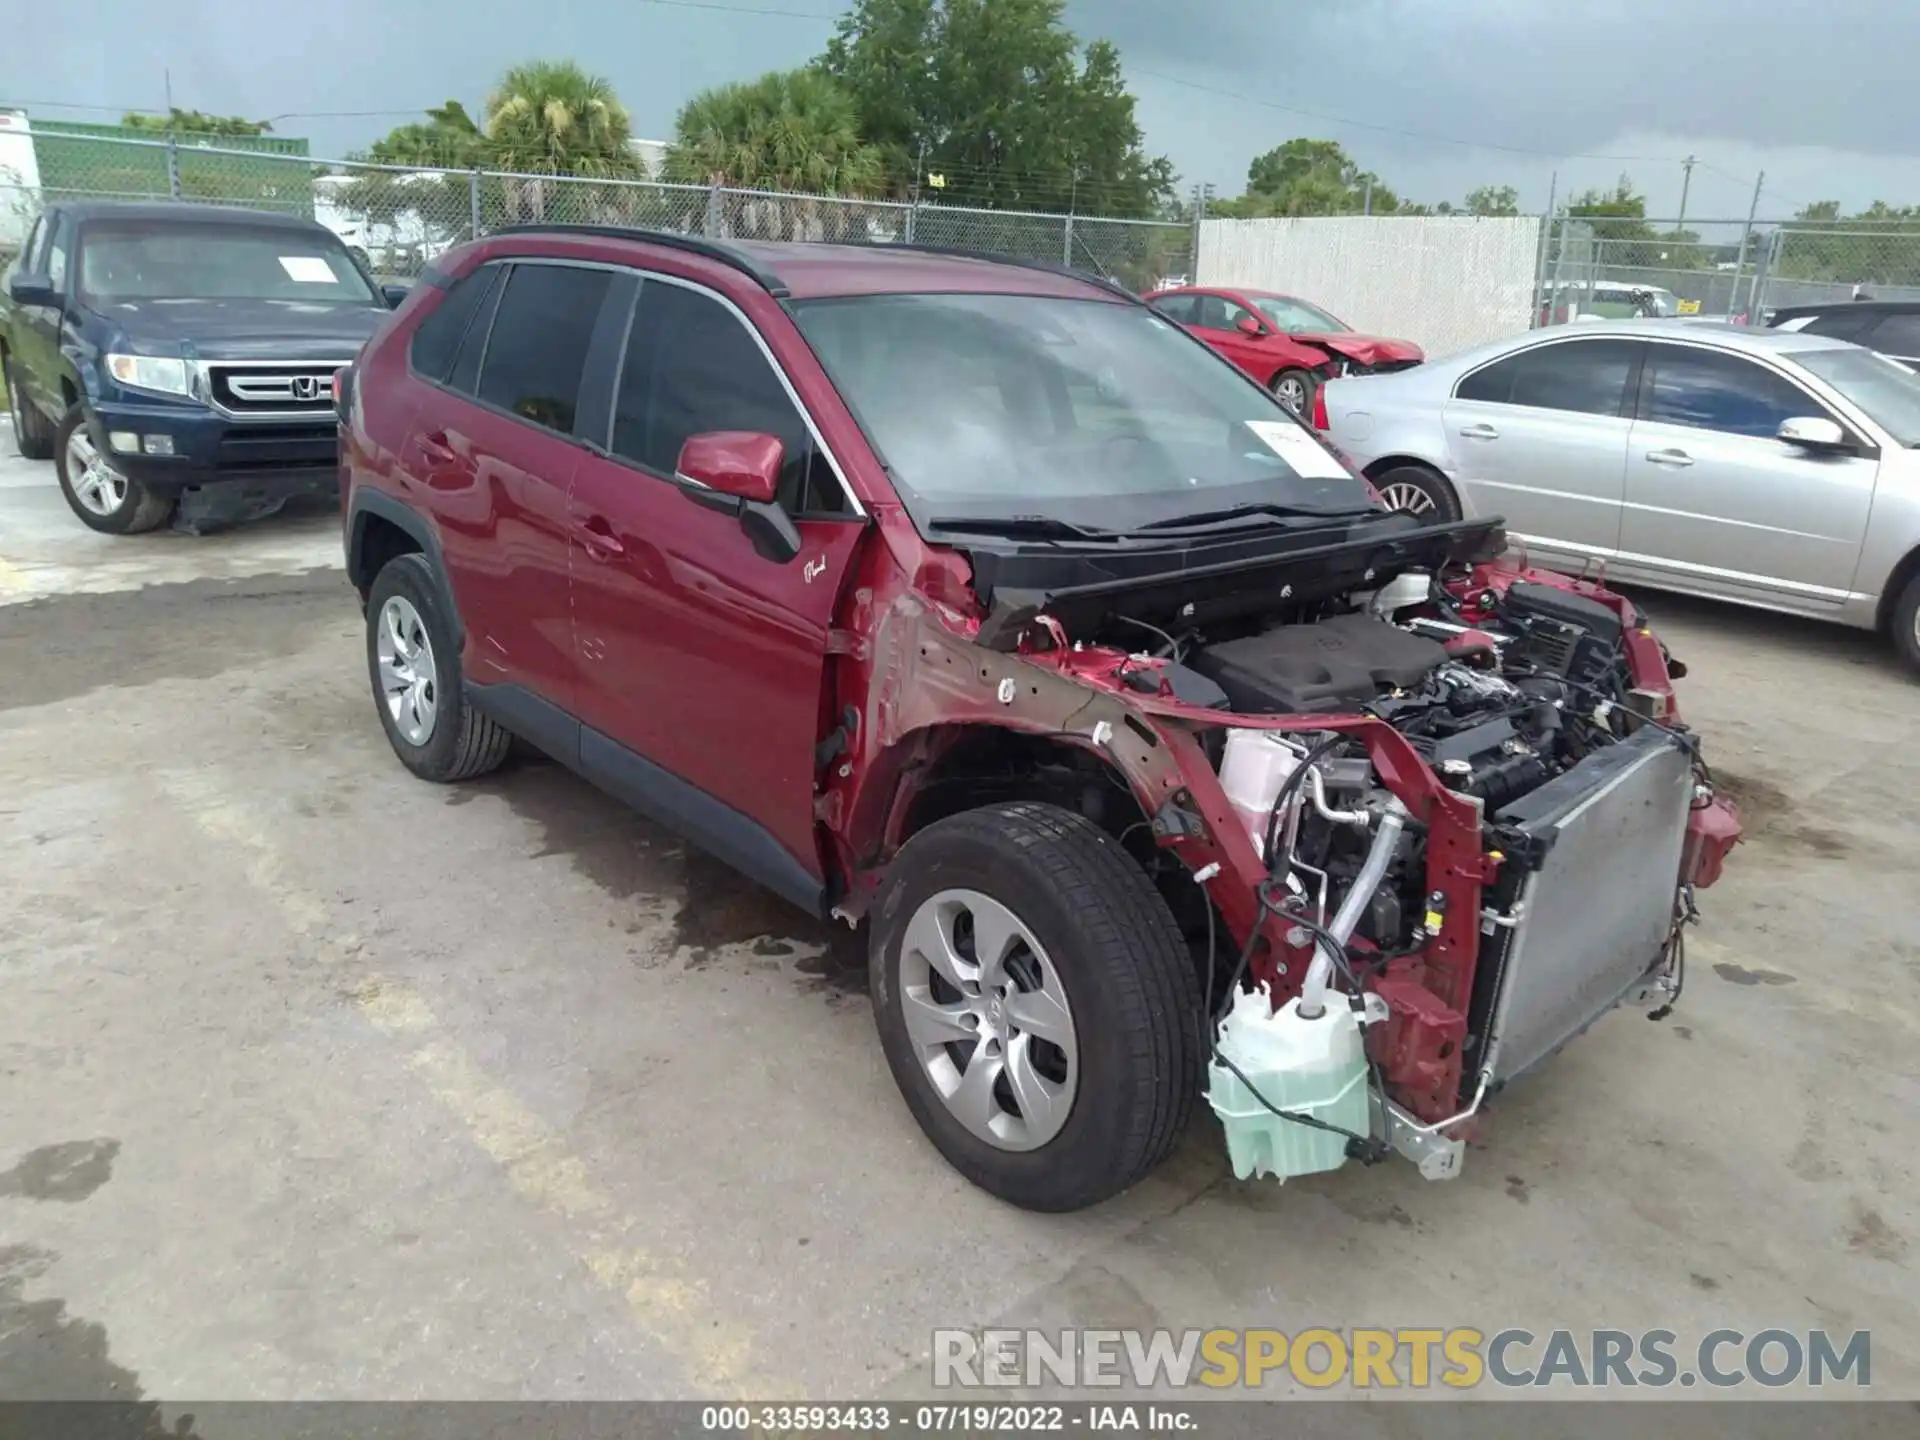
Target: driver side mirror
(1248, 325)
(33, 290)
(737, 472)
(395, 295)
(1818, 434)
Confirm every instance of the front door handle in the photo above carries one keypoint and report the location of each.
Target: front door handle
(1679, 459)
(597, 535)
(1479, 432)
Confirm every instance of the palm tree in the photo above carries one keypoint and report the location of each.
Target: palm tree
(552, 118)
(790, 130)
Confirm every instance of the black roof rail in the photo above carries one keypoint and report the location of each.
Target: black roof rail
(1051, 267)
(671, 239)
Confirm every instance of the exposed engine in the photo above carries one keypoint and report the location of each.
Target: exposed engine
(1519, 702)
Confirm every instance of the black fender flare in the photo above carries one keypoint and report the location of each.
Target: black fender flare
(368, 502)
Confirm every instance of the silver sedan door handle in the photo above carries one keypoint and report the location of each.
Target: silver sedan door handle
(1479, 432)
(1676, 458)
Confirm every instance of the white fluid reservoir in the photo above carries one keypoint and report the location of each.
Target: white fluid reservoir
(1307, 1067)
(1256, 764)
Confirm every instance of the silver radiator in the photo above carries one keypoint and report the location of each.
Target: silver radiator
(1592, 920)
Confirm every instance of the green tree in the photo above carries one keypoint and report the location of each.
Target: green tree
(1311, 177)
(794, 130)
(193, 122)
(447, 139)
(552, 118)
(999, 100)
(1492, 200)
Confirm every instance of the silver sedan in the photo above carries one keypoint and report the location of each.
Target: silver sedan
(1768, 468)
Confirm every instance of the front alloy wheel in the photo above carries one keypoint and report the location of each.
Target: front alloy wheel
(1037, 1004)
(989, 1019)
(103, 496)
(96, 484)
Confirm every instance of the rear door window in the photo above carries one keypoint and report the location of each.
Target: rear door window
(537, 349)
(1581, 377)
(691, 367)
(1715, 390)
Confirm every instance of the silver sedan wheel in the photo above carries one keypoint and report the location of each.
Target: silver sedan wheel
(1408, 498)
(407, 677)
(1292, 393)
(989, 1019)
(97, 485)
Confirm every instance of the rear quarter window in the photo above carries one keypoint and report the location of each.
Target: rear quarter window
(437, 339)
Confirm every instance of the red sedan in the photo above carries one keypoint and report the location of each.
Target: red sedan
(1286, 344)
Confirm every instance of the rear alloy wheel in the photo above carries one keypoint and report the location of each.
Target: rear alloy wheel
(1415, 490)
(413, 661)
(1906, 624)
(1294, 389)
(1036, 1003)
(104, 497)
(29, 426)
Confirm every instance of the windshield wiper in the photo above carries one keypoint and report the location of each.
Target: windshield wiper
(1021, 527)
(1240, 512)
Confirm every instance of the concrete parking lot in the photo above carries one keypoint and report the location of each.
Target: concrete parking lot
(320, 1082)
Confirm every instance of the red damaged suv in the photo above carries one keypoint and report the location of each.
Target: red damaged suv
(974, 602)
(1286, 344)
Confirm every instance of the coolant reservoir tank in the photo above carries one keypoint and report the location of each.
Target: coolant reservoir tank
(1252, 769)
(1307, 1067)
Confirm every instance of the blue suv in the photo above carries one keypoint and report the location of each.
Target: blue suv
(177, 361)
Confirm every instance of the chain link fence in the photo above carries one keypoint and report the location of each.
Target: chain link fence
(1612, 268)
(398, 219)
(1720, 269)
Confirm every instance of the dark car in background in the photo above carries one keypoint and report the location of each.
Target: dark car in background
(1286, 344)
(1890, 326)
(178, 360)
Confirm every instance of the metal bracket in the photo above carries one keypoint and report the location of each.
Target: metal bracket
(1491, 919)
(1439, 1156)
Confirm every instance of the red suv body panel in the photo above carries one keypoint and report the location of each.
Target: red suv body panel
(785, 715)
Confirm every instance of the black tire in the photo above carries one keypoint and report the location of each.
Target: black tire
(1443, 504)
(462, 743)
(1284, 384)
(1905, 624)
(30, 435)
(1127, 974)
(139, 509)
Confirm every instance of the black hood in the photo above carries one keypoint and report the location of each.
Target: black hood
(242, 329)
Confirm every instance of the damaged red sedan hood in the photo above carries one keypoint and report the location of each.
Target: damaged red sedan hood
(1364, 349)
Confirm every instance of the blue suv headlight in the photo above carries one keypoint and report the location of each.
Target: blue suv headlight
(150, 372)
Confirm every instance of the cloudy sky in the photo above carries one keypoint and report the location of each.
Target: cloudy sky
(1435, 95)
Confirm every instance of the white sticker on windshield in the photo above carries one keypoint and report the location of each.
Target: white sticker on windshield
(1306, 455)
(309, 269)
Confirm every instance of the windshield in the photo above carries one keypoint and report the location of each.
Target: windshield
(1885, 389)
(1097, 414)
(163, 260)
(1296, 317)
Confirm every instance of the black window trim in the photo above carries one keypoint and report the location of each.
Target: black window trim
(617, 310)
(854, 511)
(1629, 392)
(1643, 393)
(590, 405)
(446, 288)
